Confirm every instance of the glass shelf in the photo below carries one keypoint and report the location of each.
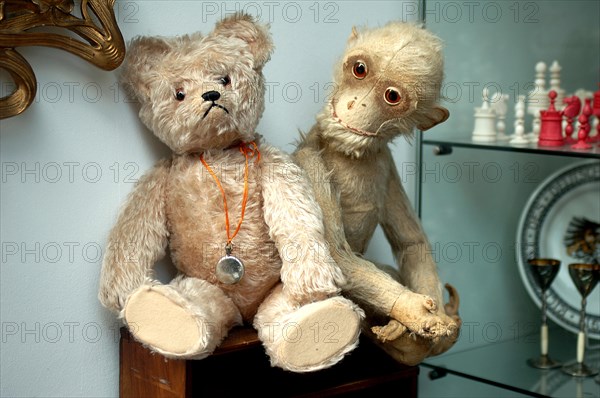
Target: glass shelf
(467, 142)
(504, 364)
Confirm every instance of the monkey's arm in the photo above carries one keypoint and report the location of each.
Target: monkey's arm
(366, 284)
(418, 270)
(137, 241)
(409, 243)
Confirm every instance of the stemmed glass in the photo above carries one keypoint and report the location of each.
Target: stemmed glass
(585, 277)
(544, 271)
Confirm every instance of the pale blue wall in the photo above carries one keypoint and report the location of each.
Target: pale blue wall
(69, 161)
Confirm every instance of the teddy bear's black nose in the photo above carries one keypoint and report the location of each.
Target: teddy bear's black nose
(211, 96)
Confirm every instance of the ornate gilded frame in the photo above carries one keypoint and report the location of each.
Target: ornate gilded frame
(20, 22)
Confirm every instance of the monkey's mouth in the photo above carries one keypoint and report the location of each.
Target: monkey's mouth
(354, 130)
(214, 105)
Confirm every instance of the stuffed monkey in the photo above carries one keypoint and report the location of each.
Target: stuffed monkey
(386, 85)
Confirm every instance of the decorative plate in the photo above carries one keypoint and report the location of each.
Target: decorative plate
(562, 220)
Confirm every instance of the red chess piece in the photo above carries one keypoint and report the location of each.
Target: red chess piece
(571, 111)
(584, 127)
(551, 125)
(587, 110)
(596, 112)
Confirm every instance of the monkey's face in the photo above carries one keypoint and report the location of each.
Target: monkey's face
(369, 98)
(389, 82)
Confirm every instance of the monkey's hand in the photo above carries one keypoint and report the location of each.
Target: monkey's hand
(419, 314)
(411, 349)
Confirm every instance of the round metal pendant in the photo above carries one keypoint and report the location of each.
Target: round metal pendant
(229, 270)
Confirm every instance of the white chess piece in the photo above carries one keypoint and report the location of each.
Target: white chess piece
(538, 100)
(500, 106)
(519, 135)
(555, 69)
(583, 94)
(485, 121)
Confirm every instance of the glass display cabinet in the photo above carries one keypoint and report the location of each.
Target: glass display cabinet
(488, 206)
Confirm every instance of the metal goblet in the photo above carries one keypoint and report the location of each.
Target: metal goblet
(544, 270)
(585, 277)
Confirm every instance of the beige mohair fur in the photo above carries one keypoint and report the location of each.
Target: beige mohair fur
(203, 95)
(387, 83)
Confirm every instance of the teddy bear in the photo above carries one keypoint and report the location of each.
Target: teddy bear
(386, 85)
(246, 239)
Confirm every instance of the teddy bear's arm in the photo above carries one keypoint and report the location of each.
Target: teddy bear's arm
(138, 239)
(296, 226)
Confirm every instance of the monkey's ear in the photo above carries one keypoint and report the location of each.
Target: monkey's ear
(353, 35)
(437, 115)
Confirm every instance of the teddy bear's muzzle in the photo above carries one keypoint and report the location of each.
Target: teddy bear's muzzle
(212, 96)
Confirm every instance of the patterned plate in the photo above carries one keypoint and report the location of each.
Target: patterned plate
(562, 220)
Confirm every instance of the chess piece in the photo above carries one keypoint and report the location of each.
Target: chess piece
(582, 94)
(555, 69)
(587, 110)
(584, 127)
(551, 124)
(485, 121)
(537, 99)
(500, 106)
(596, 112)
(519, 135)
(571, 111)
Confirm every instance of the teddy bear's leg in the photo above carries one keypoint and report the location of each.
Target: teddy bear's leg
(309, 337)
(186, 319)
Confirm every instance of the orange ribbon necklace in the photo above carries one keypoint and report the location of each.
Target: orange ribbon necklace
(249, 150)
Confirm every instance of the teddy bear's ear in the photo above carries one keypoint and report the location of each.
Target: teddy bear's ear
(437, 115)
(140, 66)
(244, 27)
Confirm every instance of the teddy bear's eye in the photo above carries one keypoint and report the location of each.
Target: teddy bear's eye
(392, 96)
(360, 70)
(179, 94)
(225, 80)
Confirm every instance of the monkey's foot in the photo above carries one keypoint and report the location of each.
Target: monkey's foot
(419, 314)
(391, 331)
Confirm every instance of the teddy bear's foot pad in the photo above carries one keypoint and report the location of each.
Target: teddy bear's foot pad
(320, 334)
(160, 323)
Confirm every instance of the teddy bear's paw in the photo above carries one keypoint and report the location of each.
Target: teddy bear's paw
(319, 335)
(159, 318)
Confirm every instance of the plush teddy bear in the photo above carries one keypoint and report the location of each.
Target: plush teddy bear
(387, 83)
(239, 217)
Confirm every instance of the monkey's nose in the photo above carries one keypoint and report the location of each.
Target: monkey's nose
(211, 96)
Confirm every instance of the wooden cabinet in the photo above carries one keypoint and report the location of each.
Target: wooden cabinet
(240, 367)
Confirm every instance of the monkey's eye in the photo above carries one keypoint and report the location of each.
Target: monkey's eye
(179, 94)
(360, 70)
(225, 80)
(392, 96)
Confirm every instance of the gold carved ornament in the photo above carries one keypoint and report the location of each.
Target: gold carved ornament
(102, 43)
